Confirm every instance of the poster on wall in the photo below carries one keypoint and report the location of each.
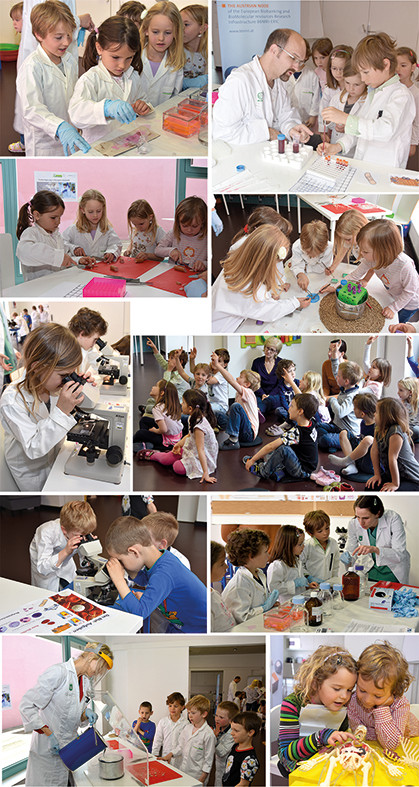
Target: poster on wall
(244, 27)
(6, 701)
(62, 183)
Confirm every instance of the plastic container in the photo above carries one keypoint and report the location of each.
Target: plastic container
(337, 597)
(82, 749)
(350, 582)
(359, 568)
(281, 143)
(181, 122)
(8, 52)
(299, 614)
(349, 311)
(203, 129)
(314, 609)
(193, 105)
(105, 288)
(325, 597)
(278, 618)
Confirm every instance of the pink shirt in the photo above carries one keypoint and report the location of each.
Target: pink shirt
(192, 248)
(248, 401)
(387, 724)
(174, 428)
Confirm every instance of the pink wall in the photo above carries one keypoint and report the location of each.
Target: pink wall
(24, 659)
(121, 181)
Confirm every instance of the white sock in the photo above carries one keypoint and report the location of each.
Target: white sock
(350, 469)
(339, 461)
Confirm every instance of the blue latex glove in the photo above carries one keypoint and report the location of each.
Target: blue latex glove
(195, 289)
(310, 578)
(270, 601)
(53, 744)
(91, 716)
(199, 81)
(71, 139)
(346, 558)
(80, 36)
(120, 110)
(300, 582)
(216, 222)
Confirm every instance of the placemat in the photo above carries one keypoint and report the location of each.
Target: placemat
(372, 321)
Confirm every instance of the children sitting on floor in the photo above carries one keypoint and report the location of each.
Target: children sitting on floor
(243, 420)
(356, 450)
(341, 407)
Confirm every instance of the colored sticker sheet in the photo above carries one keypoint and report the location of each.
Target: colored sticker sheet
(126, 267)
(173, 281)
(64, 612)
(158, 772)
(364, 207)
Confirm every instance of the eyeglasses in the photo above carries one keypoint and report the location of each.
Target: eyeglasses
(293, 57)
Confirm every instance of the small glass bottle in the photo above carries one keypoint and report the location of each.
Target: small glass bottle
(350, 582)
(359, 568)
(281, 143)
(299, 614)
(314, 608)
(337, 597)
(296, 144)
(325, 597)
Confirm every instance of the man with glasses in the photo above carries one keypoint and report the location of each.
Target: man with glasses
(253, 104)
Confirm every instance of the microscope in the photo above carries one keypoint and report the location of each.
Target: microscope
(92, 579)
(101, 430)
(114, 368)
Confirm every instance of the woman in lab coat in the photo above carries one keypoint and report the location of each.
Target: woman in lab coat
(381, 535)
(54, 709)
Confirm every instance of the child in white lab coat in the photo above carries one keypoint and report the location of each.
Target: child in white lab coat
(196, 742)
(55, 542)
(303, 89)
(45, 83)
(195, 42)
(92, 235)
(320, 558)
(162, 52)
(406, 67)
(186, 243)
(221, 618)
(170, 727)
(349, 100)
(311, 253)
(224, 715)
(35, 411)
(41, 249)
(144, 231)
(251, 283)
(382, 130)
(285, 570)
(336, 62)
(110, 91)
(320, 52)
(247, 592)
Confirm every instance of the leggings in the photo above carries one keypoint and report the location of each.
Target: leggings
(168, 458)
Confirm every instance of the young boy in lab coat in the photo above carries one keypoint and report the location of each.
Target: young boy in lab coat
(55, 542)
(320, 558)
(45, 83)
(87, 326)
(382, 129)
(170, 727)
(225, 713)
(196, 743)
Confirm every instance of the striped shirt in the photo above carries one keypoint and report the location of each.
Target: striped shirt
(387, 723)
(291, 747)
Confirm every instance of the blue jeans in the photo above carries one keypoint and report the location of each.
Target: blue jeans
(404, 315)
(282, 458)
(269, 404)
(221, 415)
(328, 437)
(238, 424)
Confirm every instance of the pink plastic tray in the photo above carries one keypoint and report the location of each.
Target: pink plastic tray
(105, 288)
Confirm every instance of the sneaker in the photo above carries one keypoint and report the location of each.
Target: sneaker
(321, 478)
(331, 473)
(254, 469)
(277, 475)
(229, 445)
(16, 147)
(141, 408)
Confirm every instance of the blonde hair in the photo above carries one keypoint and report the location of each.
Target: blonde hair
(350, 371)
(175, 53)
(273, 341)
(320, 665)
(199, 702)
(263, 214)
(314, 380)
(47, 349)
(124, 532)
(383, 663)
(385, 240)
(162, 526)
(372, 50)
(90, 647)
(391, 412)
(253, 378)
(255, 263)
(82, 223)
(411, 384)
(141, 209)
(314, 237)
(46, 16)
(16, 9)
(349, 223)
(78, 515)
(199, 14)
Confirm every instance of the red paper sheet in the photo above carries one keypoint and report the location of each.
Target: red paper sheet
(129, 269)
(172, 281)
(158, 772)
(366, 207)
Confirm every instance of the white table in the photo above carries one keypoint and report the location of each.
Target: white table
(15, 594)
(318, 202)
(166, 144)
(265, 177)
(63, 283)
(308, 320)
(58, 481)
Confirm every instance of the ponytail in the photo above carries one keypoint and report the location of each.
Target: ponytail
(43, 201)
(25, 219)
(201, 408)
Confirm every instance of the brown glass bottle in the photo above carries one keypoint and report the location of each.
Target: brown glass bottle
(313, 606)
(350, 582)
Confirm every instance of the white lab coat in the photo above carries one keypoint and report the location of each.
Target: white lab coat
(86, 107)
(47, 542)
(164, 84)
(244, 595)
(32, 438)
(45, 92)
(304, 93)
(319, 563)
(36, 320)
(40, 253)
(337, 103)
(223, 748)
(54, 702)
(231, 692)
(102, 243)
(281, 577)
(300, 261)
(221, 617)
(44, 316)
(197, 747)
(247, 107)
(231, 308)
(23, 328)
(167, 737)
(391, 541)
(385, 123)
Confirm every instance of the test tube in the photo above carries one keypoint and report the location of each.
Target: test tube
(296, 144)
(281, 143)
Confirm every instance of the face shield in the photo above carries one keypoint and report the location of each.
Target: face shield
(101, 664)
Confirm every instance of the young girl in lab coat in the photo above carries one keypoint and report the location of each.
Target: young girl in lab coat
(195, 42)
(247, 592)
(338, 58)
(162, 52)
(110, 92)
(406, 67)
(186, 243)
(320, 52)
(303, 89)
(221, 618)
(251, 283)
(261, 215)
(285, 570)
(349, 100)
(35, 411)
(144, 231)
(381, 251)
(41, 248)
(92, 235)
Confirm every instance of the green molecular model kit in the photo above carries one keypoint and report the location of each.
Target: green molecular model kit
(352, 293)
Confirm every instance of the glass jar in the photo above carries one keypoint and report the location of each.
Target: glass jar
(337, 597)
(350, 582)
(299, 614)
(281, 143)
(325, 597)
(296, 143)
(314, 609)
(359, 568)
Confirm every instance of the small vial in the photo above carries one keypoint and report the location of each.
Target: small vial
(296, 144)
(281, 143)
(337, 597)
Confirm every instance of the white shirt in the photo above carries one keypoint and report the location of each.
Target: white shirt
(340, 104)
(40, 253)
(164, 84)
(221, 617)
(229, 308)
(244, 594)
(86, 107)
(281, 577)
(197, 747)
(391, 541)
(247, 107)
(304, 93)
(167, 737)
(35, 318)
(319, 563)
(300, 262)
(218, 392)
(400, 278)
(47, 542)
(414, 91)
(232, 688)
(45, 91)
(102, 243)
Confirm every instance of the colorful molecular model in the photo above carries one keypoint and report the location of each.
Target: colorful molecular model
(288, 158)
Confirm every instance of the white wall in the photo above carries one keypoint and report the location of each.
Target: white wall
(244, 664)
